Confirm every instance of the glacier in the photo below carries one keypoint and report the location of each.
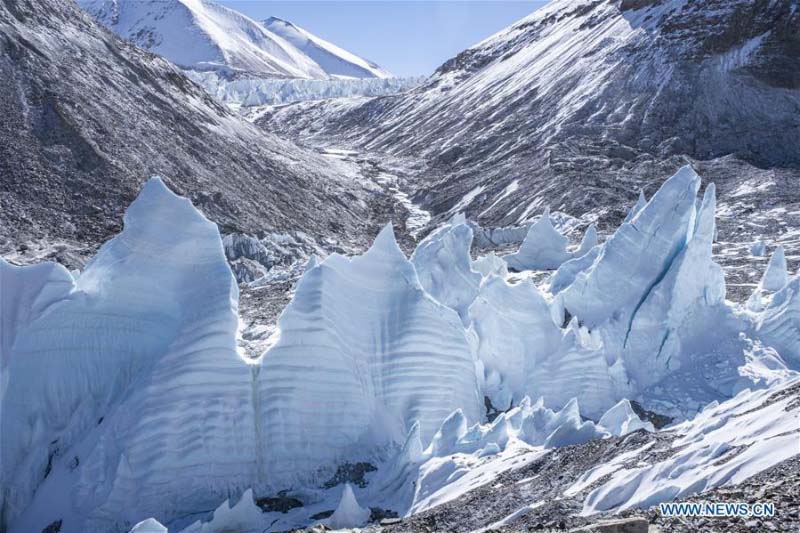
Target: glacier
(249, 92)
(124, 397)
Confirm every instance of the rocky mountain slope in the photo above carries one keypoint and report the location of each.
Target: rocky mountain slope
(201, 35)
(583, 103)
(85, 118)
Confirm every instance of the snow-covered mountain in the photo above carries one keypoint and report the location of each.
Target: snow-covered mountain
(85, 117)
(201, 35)
(335, 61)
(584, 102)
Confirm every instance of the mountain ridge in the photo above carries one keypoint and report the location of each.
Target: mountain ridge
(205, 36)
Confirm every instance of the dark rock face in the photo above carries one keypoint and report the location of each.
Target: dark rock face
(636, 4)
(659, 421)
(85, 118)
(350, 473)
(55, 527)
(278, 504)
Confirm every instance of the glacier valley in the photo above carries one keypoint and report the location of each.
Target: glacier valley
(393, 385)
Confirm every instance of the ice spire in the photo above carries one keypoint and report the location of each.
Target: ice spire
(349, 514)
(588, 242)
(544, 248)
(637, 207)
(776, 275)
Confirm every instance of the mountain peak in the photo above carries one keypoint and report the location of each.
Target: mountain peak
(337, 62)
(204, 36)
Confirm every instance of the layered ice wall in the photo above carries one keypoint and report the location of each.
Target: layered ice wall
(133, 371)
(364, 353)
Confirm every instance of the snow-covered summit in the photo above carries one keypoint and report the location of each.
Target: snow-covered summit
(201, 35)
(335, 61)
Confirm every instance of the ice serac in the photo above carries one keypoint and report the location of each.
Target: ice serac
(776, 275)
(133, 373)
(151, 525)
(364, 353)
(243, 516)
(669, 329)
(583, 368)
(637, 256)
(621, 420)
(490, 265)
(778, 325)
(588, 242)
(515, 333)
(758, 248)
(349, 513)
(567, 272)
(444, 266)
(544, 248)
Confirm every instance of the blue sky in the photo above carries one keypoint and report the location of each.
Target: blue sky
(407, 37)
